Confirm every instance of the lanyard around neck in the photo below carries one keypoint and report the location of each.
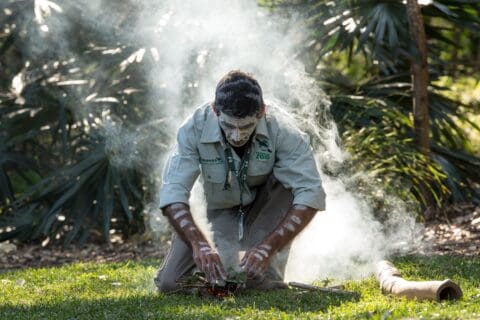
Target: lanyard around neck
(241, 175)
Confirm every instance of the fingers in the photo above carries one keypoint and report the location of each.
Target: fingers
(253, 265)
(212, 271)
(199, 263)
(202, 265)
(244, 259)
(216, 269)
(210, 264)
(206, 271)
(221, 272)
(254, 270)
(248, 260)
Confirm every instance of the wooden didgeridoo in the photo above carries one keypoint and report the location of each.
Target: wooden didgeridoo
(391, 282)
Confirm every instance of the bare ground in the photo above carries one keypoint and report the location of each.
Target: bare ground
(455, 231)
(37, 256)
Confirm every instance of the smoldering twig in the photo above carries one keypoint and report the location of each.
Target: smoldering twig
(333, 289)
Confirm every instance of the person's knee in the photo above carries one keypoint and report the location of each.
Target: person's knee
(165, 285)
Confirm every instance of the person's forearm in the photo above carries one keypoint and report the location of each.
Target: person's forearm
(181, 219)
(206, 258)
(257, 259)
(296, 219)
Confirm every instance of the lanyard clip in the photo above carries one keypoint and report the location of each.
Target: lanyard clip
(240, 223)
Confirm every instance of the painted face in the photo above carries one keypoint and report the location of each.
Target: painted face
(237, 130)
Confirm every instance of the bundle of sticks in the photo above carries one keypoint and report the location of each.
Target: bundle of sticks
(221, 290)
(237, 283)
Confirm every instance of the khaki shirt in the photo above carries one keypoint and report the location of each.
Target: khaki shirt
(278, 147)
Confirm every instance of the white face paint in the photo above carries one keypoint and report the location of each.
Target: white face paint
(237, 130)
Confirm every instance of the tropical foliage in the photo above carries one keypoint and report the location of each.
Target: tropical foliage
(66, 176)
(64, 172)
(361, 51)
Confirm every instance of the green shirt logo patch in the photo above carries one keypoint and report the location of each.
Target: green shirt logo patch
(263, 144)
(262, 156)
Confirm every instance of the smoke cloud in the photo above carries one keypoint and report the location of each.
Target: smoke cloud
(198, 42)
(190, 44)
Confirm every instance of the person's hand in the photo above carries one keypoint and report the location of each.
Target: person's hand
(256, 261)
(208, 261)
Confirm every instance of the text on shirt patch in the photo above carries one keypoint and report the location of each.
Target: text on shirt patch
(262, 156)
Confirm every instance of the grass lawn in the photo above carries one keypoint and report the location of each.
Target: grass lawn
(125, 291)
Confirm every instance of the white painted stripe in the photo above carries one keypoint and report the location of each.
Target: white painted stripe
(296, 219)
(259, 257)
(185, 223)
(180, 214)
(290, 227)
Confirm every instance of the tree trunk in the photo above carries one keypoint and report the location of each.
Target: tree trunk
(420, 78)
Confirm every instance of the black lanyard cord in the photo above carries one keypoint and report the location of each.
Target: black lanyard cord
(241, 176)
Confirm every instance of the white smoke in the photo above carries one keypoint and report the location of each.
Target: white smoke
(198, 41)
(345, 241)
(190, 45)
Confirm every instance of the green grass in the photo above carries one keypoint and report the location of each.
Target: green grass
(126, 291)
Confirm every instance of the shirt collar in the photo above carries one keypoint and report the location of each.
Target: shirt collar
(211, 131)
(261, 128)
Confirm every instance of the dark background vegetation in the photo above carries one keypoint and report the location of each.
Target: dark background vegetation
(61, 181)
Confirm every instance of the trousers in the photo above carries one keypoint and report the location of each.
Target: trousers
(262, 216)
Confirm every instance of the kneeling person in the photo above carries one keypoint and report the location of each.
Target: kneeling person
(260, 180)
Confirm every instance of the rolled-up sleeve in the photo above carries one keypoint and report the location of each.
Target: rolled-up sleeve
(296, 169)
(181, 169)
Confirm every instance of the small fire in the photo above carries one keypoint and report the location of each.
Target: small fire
(228, 290)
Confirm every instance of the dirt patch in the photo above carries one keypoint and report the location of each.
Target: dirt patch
(456, 231)
(36, 256)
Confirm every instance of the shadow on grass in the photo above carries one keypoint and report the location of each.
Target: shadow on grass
(178, 306)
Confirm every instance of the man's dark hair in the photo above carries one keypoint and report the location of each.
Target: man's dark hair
(238, 94)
